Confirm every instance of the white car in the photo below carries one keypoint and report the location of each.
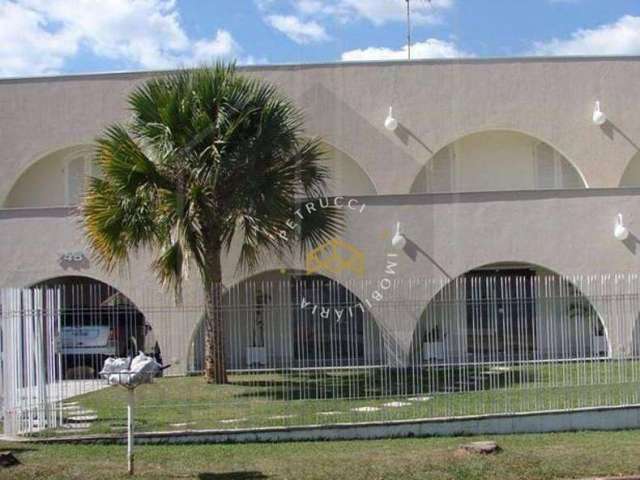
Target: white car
(87, 340)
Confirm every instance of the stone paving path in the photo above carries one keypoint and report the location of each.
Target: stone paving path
(76, 418)
(79, 419)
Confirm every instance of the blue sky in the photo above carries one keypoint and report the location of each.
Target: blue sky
(42, 37)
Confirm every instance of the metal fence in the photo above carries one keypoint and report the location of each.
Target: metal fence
(308, 350)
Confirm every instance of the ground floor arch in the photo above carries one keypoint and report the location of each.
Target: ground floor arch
(93, 321)
(289, 319)
(506, 313)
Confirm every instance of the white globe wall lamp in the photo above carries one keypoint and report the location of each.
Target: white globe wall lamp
(390, 123)
(620, 231)
(398, 241)
(599, 118)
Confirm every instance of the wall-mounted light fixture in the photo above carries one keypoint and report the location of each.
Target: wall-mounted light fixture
(390, 123)
(620, 231)
(398, 241)
(599, 118)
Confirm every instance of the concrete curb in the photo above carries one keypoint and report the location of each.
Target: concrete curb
(612, 418)
(632, 477)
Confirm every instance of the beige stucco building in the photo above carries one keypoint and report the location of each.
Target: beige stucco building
(494, 162)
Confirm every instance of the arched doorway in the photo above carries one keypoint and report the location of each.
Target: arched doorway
(509, 313)
(290, 320)
(94, 321)
(496, 160)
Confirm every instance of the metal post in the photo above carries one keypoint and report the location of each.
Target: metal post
(130, 405)
(408, 30)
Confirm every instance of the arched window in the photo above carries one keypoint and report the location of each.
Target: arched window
(552, 170)
(75, 178)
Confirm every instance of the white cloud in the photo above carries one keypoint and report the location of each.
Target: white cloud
(222, 45)
(430, 48)
(26, 46)
(310, 7)
(382, 11)
(323, 9)
(297, 30)
(38, 36)
(377, 12)
(619, 38)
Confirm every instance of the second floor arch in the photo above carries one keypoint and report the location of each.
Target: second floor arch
(55, 179)
(631, 175)
(497, 160)
(347, 176)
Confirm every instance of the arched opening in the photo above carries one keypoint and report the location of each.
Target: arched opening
(509, 313)
(631, 175)
(347, 176)
(57, 179)
(289, 320)
(497, 160)
(94, 321)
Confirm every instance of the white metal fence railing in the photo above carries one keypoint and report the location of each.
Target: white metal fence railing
(309, 350)
(30, 365)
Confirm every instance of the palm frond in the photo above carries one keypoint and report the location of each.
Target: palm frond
(210, 158)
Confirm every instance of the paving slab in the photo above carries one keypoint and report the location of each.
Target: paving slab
(365, 409)
(233, 420)
(396, 404)
(485, 447)
(82, 418)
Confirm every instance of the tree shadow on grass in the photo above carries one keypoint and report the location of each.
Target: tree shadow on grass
(232, 476)
(328, 384)
(12, 449)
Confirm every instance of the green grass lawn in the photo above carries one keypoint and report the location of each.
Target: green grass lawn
(281, 399)
(532, 457)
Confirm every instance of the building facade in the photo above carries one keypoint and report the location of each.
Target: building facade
(495, 166)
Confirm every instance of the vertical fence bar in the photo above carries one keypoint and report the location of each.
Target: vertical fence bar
(308, 349)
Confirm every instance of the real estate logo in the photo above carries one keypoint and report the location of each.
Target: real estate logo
(335, 256)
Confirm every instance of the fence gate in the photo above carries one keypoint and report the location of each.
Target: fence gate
(30, 362)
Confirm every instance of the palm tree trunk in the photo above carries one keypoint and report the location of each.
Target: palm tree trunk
(214, 345)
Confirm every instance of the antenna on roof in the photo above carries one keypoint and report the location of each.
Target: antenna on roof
(409, 27)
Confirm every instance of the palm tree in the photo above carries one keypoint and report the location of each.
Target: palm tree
(209, 157)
